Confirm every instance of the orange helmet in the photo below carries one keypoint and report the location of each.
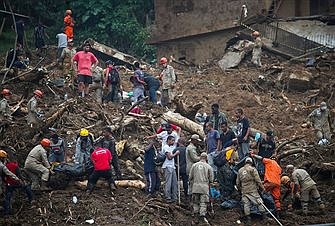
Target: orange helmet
(68, 12)
(6, 92)
(163, 60)
(45, 142)
(3, 154)
(38, 93)
(255, 34)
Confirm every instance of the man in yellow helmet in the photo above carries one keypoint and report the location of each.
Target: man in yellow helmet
(84, 147)
(4, 171)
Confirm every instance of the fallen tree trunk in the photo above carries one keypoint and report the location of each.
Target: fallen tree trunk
(121, 183)
(184, 123)
(288, 142)
(193, 127)
(284, 154)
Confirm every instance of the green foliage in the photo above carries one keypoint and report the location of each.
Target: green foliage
(118, 23)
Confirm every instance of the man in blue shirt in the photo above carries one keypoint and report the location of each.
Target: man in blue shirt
(212, 141)
(150, 170)
(153, 85)
(138, 83)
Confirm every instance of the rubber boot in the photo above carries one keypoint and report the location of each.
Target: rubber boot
(89, 188)
(44, 186)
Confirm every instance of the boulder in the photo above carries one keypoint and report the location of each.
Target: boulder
(300, 81)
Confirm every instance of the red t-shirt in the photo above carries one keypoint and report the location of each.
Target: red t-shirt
(12, 166)
(84, 61)
(173, 126)
(101, 158)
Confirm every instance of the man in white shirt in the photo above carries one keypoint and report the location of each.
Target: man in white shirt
(169, 168)
(164, 135)
(62, 44)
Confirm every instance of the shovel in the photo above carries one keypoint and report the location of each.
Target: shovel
(260, 201)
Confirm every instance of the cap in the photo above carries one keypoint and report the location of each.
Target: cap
(195, 137)
(203, 155)
(323, 106)
(248, 160)
(269, 133)
(108, 129)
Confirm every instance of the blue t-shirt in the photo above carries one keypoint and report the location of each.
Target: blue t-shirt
(212, 140)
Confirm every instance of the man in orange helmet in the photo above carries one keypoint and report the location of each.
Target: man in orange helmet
(33, 113)
(37, 163)
(4, 106)
(169, 80)
(69, 24)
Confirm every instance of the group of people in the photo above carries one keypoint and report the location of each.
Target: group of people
(242, 170)
(50, 152)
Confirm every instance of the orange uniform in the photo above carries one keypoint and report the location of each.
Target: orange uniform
(69, 24)
(272, 179)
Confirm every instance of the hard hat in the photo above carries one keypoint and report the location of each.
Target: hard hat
(45, 142)
(163, 60)
(284, 179)
(255, 33)
(6, 92)
(248, 160)
(68, 12)
(258, 136)
(83, 133)
(38, 93)
(3, 154)
(229, 152)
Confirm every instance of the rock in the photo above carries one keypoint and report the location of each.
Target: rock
(300, 81)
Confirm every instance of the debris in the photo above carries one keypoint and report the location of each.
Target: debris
(300, 81)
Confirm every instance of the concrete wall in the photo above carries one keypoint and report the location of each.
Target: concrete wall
(292, 8)
(181, 18)
(198, 49)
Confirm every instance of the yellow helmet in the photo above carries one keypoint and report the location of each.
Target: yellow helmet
(229, 152)
(83, 133)
(3, 154)
(285, 179)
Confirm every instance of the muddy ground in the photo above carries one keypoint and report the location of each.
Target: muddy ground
(269, 104)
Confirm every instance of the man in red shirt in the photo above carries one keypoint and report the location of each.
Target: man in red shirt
(101, 158)
(84, 63)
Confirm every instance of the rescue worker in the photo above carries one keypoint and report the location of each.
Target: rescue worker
(201, 175)
(138, 83)
(248, 182)
(4, 106)
(192, 152)
(33, 114)
(37, 164)
(108, 141)
(169, 80)
(257, 49)
(4, 171)
(12, 184)
(68, 24)
(217, 118)
(57, 146)
(84, 62)
(307, 185)
(271, 179)
(101, 158)
(97, 83)
(227, 176)
(286, 190)
(112, 82)
(66, 58)
(320, 119)
(84, 147)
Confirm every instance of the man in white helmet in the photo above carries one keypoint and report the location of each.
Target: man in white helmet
(320, 119)
(248, 182)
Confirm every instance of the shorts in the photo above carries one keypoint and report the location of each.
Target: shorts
(86, 79)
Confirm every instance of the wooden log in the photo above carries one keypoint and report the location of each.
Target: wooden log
(288, 142)
(193, 127)
(130, 183)
(286, 153)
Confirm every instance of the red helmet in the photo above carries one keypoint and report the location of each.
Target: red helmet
(163, 60)
(45, 142)
(6, 92)
(38, 93)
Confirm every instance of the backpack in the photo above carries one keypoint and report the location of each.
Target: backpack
(113, 76)
(220, 159)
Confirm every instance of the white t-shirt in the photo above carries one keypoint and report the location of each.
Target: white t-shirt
(62, 40)
(164, 135)
(167, 162)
